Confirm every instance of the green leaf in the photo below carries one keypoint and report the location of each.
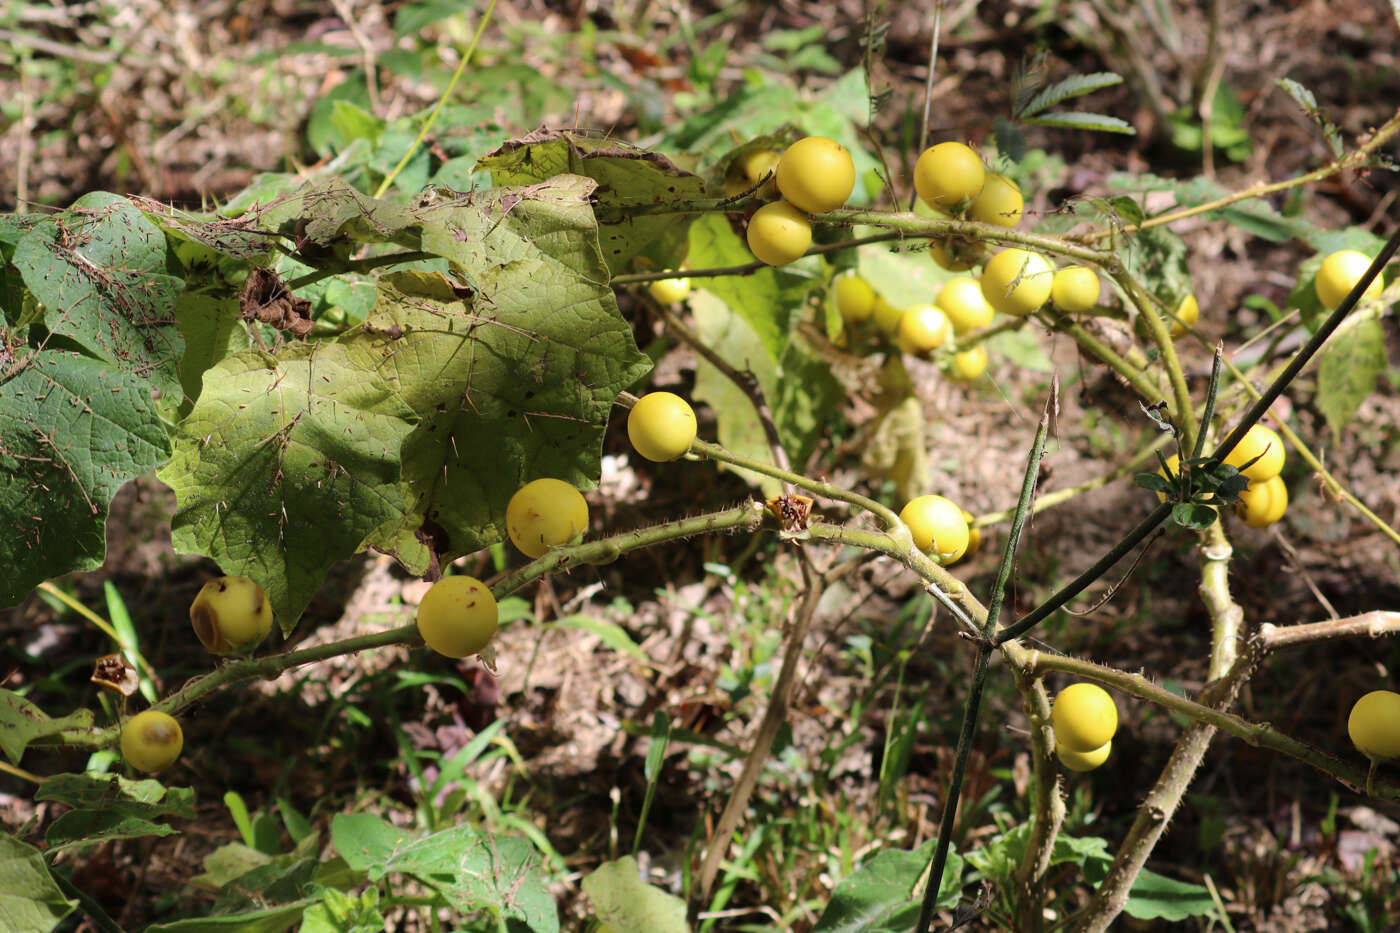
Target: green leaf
(344, 913)
(73, 429)
(884, 895)
(1077, 86)
(627, 179)
(108, 807)
(1351, 362)
(623, 901)
(1077, 120)
(473, 872)
(286, 465)
(352, 122)
(21, 722)
(1154, 482)
(99, 269)
(1155, 896)
(1193, 515)
(30, 900)
(260, 920)
(1304, 98)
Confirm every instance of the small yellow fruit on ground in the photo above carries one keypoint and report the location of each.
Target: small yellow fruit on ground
(816, 174)
(1338, 275)
(922, 329)
(1263, 503)
(969, 365)
(1187, 313)
(231, 615)
(962, 300)
(151, 741)
(938, 527)
(1017, 281)
(1374, 724)
(1084, 717)
(458, 616)
(545, 513)
(998, 203)
(855, 299)
(887, 316)
(949, 175)
(779, 233)
(1083, 761)
(953, 253)
(1075, 289)
(661, 426)
(669, 291)
(1263, 443)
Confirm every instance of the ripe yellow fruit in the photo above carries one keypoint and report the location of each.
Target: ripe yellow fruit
(922, 329)
(887, 316)
(1084, 717)
(953, 253)
(1017, 281)
(1187, 313)
(970, 364)
(1338, 275)
(661, 426)
(1263, 503)
(1374, 724)
(938, 527)
(1075, 289)
(816, 174)
(1083, 761)
(962, 300)
(999, 202)
(669, 291)
(231, 615)
(974, 535)
(1263, 443)
(949, 175)
(457, 616)
(545, 513)
(855, 299)
(779, 233)
(151, 741)
(756, 164)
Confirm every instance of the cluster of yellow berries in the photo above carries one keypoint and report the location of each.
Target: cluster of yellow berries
(815, 175)
(920, 329)
(1265, 499)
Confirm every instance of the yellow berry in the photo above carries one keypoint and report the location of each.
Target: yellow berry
(855, 299)
(922, 329)
(1083, 761)
(1084, 717)
(457, 616)
(1338, 275)
(1374, 724)
(949, 175)
(999, 202)
(1262, 503)
(755, 165)
(661, 426)
(887, 316)
(952, 253)
(816, 174)
(1187, 314)
(231, 615)
(1263, 443)
(669, 291)
(1075, 289)
(969, 364)
(937, 526)
(545, 513)
(974, 535)
(151, 741)
(1017, 281)
(962, 300)
(779, 233)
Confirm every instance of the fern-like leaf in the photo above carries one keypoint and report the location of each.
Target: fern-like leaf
(1078, 120)
(1077, 86)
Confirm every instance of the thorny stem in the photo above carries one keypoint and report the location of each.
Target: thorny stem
(973, 708)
